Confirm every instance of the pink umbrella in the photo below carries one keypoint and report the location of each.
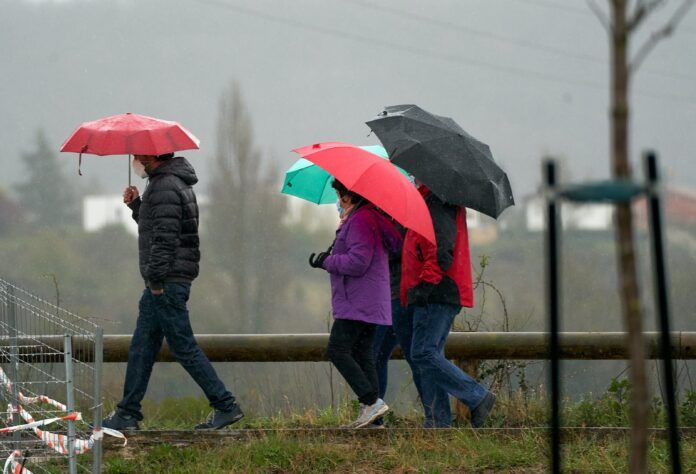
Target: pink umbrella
(129, 134)
(376, 179)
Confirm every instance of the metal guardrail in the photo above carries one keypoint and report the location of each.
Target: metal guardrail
(460, 345)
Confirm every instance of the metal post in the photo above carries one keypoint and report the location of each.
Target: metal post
(662, 301)
(552, 301)
(70, 397)
(98, 361)
(14, 360)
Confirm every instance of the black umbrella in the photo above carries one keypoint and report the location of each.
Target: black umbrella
(455, 166)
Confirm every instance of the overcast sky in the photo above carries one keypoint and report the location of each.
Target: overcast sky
(528, 77)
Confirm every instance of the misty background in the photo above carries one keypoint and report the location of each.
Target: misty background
(528, 77)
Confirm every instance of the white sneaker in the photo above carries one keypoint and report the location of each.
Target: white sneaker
(371, 413)
(352, 423)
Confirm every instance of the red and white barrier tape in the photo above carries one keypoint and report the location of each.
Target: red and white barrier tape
(59, 442)
(21, 398)
(14, 467)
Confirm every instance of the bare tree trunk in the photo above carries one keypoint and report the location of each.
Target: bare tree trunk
(630, 296)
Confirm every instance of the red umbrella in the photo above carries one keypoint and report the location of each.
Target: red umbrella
(130, 134)
(376, 179)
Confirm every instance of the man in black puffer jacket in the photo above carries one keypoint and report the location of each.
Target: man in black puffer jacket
(167, 217)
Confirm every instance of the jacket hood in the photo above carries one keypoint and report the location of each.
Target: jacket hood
(179, 167)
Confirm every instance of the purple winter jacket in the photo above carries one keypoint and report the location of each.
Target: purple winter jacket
(359, 267)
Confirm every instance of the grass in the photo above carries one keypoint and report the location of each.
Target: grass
(519, 410)
(428, 451)
(457, 451)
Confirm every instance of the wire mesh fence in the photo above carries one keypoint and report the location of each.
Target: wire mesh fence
(43, 378)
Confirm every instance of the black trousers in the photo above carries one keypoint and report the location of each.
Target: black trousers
(350, 350)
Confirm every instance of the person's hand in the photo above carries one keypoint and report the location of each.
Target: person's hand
(130, 194)
(318, 261)
(157, 292)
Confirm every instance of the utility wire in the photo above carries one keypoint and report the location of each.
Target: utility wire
(522, 43)
(430, 54)
(581, 11)
(557, 6)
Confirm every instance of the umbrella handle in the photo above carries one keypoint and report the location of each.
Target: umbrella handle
(79, 160)
(129, 171)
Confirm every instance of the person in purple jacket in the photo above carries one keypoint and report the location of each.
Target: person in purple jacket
(357, 263)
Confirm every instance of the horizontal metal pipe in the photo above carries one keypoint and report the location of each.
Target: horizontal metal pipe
(312, 347)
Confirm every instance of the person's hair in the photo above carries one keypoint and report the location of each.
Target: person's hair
(166, 156)
(343, 191)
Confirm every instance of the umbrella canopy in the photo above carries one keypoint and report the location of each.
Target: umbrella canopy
(376, 180)
(130, 134)
(306, 180)
(455, 166)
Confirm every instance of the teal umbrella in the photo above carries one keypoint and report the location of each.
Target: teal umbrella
(306, 180)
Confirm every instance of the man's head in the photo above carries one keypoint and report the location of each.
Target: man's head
(149, 163)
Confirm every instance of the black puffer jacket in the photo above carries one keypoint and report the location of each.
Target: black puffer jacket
(167, 217)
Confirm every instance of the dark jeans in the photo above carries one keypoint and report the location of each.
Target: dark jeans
(166, 316)
(384, 344)
(350, 350)
(437, 410)
(431, 326)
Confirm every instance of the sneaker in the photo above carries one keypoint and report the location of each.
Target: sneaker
(480, 413)
(218, 419)
(352, 423)
(371, 413)
(120, 422)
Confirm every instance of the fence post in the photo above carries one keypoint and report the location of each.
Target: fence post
(662, 302)
(553, 305)
(70, 397)
(98, 361)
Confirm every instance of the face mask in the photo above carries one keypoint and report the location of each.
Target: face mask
(340, 210)
(139, 169)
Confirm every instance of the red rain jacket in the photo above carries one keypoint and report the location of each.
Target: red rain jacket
(441, 274)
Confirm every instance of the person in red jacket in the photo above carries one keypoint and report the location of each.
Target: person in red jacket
(435, 284)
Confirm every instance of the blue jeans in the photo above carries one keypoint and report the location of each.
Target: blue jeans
(431, 326)
(437, 411)
(163, 316)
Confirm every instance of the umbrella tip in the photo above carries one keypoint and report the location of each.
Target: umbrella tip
(316, 145)
(384, 112)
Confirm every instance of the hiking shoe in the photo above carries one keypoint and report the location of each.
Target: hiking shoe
(480, 413)
(218, 419)
(371, 413)
(120, 422)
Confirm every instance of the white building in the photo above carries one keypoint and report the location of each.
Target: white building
(105, 210)
(591, 217)
(99, 211)
(312, 216)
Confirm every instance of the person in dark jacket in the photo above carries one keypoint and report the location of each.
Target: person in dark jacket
(435, 283)
(167, 217)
